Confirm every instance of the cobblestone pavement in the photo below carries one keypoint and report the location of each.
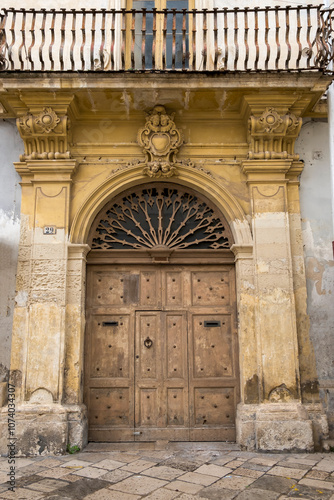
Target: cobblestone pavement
(166, 471)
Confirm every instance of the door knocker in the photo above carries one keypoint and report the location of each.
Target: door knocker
(148, 343)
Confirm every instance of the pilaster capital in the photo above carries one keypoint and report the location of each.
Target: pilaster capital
(272, 135)
(78, 251)
(45, 135)
(242, 251)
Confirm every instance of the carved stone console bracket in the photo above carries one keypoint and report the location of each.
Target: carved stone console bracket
(272, 136)
(160, 140)
(44, 135)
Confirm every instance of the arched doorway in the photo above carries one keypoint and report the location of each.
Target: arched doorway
(161, 354)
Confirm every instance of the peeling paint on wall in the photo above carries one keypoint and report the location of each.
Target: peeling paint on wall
(313, 148)
(9, 240)
(10, 201)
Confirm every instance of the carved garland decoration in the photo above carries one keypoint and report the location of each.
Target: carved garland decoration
(44, 135)
(160, 140)
(160, 218)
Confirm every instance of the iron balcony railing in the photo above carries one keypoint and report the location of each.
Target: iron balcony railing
(294, 38)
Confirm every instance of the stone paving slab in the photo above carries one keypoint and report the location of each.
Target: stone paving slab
(181, 471)
(288, 472)
(140, 485)
(116, 475)
(184, 487)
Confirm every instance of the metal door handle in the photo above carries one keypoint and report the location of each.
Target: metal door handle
(148, 343)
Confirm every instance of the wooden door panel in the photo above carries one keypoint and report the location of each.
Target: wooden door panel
(110, 390)
(115, 288)
(125, 288)
(175, 362)
(148, 367)
(177, 406)
(174, 289)
(110, 407)
(148, 370)
(211, 346)
(150, 289)
(110, 345)
(213, 406)
(213, 418)
(147, 408)
(210, 288)
(176, 347)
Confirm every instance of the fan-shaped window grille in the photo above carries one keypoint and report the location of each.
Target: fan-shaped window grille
(160, 216)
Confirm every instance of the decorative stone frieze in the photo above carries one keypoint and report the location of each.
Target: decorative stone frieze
(272, 136)
(160, 140)
(44, 135)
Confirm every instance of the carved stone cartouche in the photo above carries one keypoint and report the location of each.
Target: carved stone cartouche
(160, 140)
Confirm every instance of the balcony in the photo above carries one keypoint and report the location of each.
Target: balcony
(291, 39)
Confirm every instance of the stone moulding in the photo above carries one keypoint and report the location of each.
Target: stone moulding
(160, 140)
(272, 136)
(44, 135)
(195, 178)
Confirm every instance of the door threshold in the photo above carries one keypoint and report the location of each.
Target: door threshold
(162, 445)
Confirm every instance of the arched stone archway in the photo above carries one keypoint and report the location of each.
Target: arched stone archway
(161, 355)
(197, 180)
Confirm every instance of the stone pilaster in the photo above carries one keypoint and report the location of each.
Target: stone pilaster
(278, 420)
(249, 383)
(41, 317)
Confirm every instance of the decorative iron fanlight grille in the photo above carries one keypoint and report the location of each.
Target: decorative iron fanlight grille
(159, 217)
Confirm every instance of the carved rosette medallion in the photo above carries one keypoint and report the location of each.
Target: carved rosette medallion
(272, 136)
(160, 140)
(47, 120)
(270, 120)
(44, 135)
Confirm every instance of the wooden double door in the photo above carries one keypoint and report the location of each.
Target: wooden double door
(161, 353)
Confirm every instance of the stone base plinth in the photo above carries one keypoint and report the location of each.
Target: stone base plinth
(43, 429)
(279, 427)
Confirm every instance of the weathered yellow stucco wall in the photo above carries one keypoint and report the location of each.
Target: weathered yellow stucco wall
(82, 150)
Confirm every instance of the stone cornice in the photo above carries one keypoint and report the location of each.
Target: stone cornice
(266, 171)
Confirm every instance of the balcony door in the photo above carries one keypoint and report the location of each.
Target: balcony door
(158, 35)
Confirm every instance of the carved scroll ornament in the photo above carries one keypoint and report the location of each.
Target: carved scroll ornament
(160, 140)
(273, 136)
(44, 135)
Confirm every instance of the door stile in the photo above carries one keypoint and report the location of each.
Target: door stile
(161, 376)
(148, 374)
(176, 380)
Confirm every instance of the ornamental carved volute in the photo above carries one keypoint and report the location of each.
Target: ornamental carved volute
(44, 135)
(273, 136)
(160, 140)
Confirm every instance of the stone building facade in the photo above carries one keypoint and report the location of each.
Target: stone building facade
(175, 267)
